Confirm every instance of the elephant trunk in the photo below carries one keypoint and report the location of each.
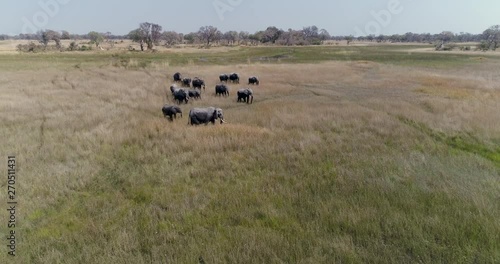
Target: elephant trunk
(251, 99)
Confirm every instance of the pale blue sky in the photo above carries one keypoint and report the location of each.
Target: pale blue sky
(339, 17)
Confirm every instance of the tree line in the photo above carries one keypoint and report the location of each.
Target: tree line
(149, 35)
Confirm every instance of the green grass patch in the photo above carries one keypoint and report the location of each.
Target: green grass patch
(463, 142)
(243, 55)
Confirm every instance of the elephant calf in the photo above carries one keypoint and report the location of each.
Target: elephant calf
(198, 116)
(223, 77)
(253, 80)
(171, 111)
(194, 94)
(245, 95)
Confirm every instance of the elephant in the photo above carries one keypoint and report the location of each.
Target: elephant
(223, 77)
(186, 82)
(198, 116)
(253, 80)
(177, 77)
(173, 88)
(245, 95)
(171, 111)
(181, 95)
(221, 89)
(194, 94)
(234, 78)
(198, 83)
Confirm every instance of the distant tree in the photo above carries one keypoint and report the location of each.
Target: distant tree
(65, 35)
(243, 36)
(349, 39)
(150, 34)
(209, 34)
(231, 37)
(447, 36)
(49, 35)
(256, 38)
(147, 33)
(292, 37)
(271, 34)
(171, 38)
(381, 38)
(311, 34)
(96, 38)
(324, 35)
(191, 38)
(492, 37)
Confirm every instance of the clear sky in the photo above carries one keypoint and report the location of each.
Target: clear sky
(339, 17)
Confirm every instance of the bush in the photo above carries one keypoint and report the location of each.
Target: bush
(31, 47)
(484, 46)
(85, 48)
(73, 46)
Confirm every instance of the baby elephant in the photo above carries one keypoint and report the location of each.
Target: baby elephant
(253, 80)
(194, 94)
(171, 111)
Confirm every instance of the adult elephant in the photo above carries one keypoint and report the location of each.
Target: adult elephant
(234, 78)
(198, 116)
(221, 90)
(180, 95)
(253, 80)
(223, 77)
(171, 111)
(245, 95)
(198, 83)
(177, 77)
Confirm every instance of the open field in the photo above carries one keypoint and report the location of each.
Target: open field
(348, 155)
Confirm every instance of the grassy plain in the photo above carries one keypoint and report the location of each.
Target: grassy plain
(348, 155)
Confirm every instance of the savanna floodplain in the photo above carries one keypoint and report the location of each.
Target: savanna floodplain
(378, 154)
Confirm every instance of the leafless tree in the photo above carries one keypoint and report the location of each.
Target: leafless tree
(171, 38)
(49, 35)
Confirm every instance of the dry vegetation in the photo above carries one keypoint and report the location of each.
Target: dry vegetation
(351, 161)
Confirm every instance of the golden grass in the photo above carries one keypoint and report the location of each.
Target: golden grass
(321, 168)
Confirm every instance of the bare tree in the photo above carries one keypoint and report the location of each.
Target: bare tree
(171, 38)
(49, 35)
(65, 35)
(311, 34)
(324, 35)
(209, 34)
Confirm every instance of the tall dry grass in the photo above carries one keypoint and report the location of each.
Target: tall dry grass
(334, 162)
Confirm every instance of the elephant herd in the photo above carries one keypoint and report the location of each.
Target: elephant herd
(198, 116)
